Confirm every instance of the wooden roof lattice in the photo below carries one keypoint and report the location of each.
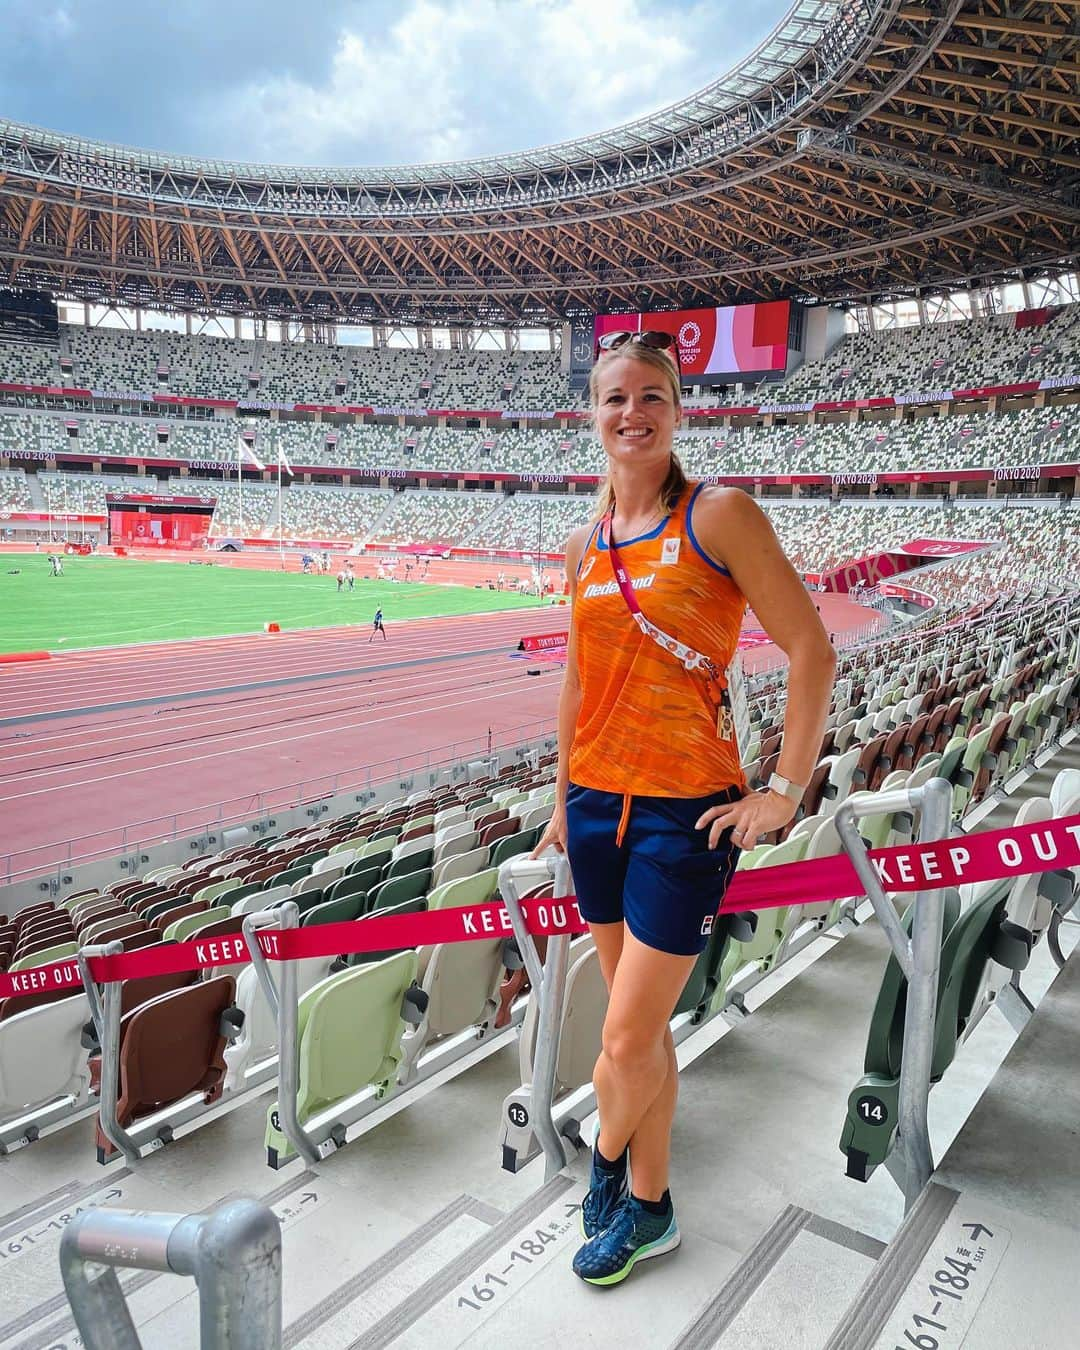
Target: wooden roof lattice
(865, 148)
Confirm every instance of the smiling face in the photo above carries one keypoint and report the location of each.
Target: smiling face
(637, 410)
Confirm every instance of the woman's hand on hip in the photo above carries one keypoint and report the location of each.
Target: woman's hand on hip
(554, 833)
(756, 814)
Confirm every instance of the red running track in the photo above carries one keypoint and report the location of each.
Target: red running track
(169, 733)
(187, 736)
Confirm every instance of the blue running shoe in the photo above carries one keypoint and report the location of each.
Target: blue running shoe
(633, 1235)
(607, 1190)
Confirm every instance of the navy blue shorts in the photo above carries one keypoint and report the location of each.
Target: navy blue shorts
(663, 880)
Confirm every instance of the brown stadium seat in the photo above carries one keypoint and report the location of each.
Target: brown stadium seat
(894, 753)
(183, 911)
(43, 934)
(146, 937)
(949, 723)
(415, 832)
(997, 743)
(915, 743)
(221, 927)
(815, 791)
(22, 1002)
(499, 829)
(133, 994)
(866, 774)
(170, 1047)
(91, 918)
(115, 932)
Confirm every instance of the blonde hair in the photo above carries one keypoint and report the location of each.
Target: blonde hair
(676, 482)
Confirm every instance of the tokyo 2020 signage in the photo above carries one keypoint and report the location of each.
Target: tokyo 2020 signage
(735, 342)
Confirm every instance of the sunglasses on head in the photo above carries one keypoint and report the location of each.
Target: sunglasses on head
(651, 337)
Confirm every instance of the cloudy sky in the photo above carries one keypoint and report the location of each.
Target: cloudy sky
(360, 81)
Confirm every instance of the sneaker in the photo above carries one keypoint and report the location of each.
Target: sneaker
(607, 1191)
(633, 1235)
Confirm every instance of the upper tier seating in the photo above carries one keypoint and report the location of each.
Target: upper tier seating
(205, 366)
(949, 355)
(964, 355)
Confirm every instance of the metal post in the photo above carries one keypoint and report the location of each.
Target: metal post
(280, 543)
(93, 993)
(549, 986)
(919, 958)
(282, 998)
(240, 480)
(263, 918)
(109, 1036)
(234, 1255)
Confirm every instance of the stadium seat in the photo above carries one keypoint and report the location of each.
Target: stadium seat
(335, 1062)
(170, 1047)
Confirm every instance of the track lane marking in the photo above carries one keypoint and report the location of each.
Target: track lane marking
(217, 754)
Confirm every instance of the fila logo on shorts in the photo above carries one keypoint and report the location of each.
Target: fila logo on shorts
(669, 551)
(706, 926)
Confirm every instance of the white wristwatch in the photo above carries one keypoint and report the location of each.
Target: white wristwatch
(792, 791)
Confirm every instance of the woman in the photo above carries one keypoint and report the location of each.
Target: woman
(651, 802)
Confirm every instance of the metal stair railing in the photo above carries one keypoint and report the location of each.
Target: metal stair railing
(233, 1254)
(919, 958)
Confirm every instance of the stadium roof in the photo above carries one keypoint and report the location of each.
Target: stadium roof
(866, 147)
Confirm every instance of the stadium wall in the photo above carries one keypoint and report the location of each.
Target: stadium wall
(825, 330)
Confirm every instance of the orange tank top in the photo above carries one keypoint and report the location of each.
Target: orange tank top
(643, 727)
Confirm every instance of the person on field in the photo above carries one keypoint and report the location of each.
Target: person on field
(57, 564)
(341, 581)
(350, 576)
(652, 806)
(377, 626)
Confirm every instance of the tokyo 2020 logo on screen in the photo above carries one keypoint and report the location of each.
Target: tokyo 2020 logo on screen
(731, 342)
(689, 337)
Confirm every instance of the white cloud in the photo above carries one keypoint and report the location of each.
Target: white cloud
(453, 78)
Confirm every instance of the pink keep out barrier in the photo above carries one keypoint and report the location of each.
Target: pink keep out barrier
(988, 856)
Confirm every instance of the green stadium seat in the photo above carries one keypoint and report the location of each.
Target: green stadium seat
(971, 939)
(181, 929)
(340, 910)
(396, 890)
(349, 1030)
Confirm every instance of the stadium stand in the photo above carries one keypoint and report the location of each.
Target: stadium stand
(947, 355)
(14, 491)
(1029, 436)
(437, 519)
(334, 513)
(959, 355)
(86, 492)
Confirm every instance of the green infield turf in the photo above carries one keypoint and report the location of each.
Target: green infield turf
(101, 602)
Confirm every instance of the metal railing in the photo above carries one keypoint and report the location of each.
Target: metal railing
(233, 1254)
(402, 770)
(548, 980)
(919, 958)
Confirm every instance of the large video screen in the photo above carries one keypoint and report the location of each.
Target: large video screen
(733, 343)
(150, 521)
